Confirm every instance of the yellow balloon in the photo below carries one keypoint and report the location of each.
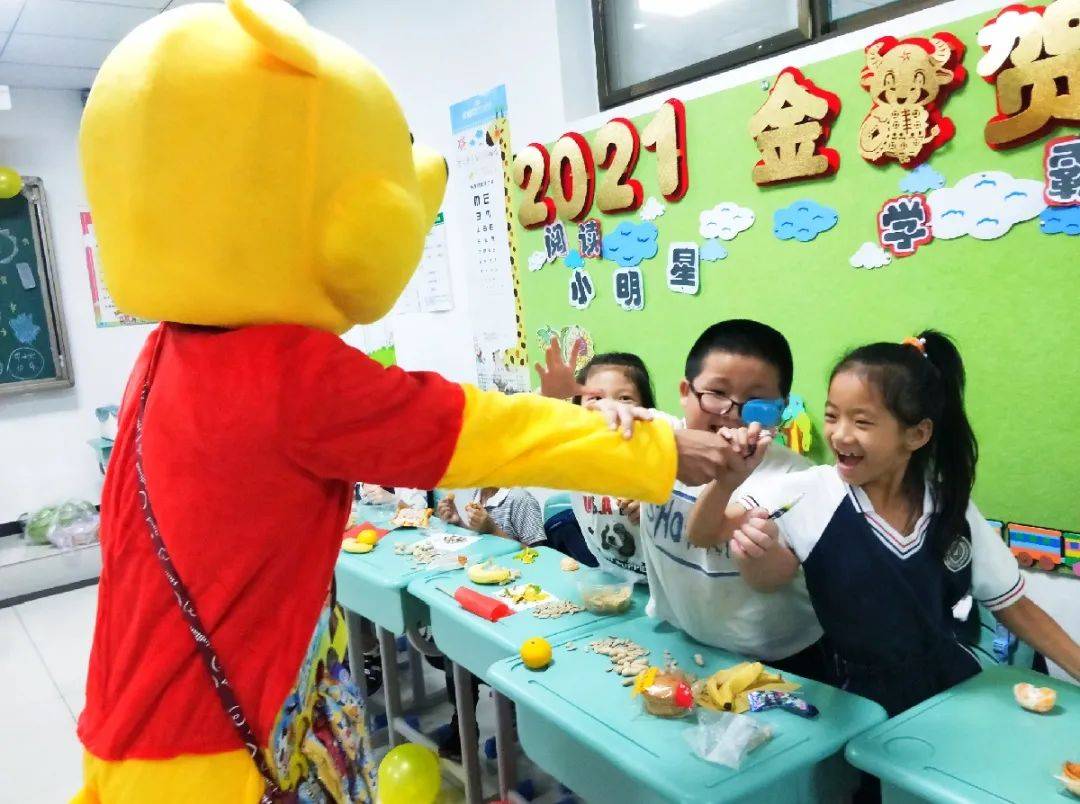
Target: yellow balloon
(409, 774)
(10, 182)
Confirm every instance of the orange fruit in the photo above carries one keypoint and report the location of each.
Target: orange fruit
(536, 653)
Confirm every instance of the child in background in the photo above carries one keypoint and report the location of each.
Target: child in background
(506, 513)
(888, 537)
(697, 587)
(609, 526)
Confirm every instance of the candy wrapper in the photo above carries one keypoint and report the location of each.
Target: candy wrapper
(726, 738)
(760, 701)
(664, 694)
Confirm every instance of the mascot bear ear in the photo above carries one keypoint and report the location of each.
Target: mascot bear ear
(280, 28)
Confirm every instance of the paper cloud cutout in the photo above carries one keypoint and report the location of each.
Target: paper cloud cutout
(984, 205)
(803, 220)
(712, 250)
(725, 221)
(651, 209)
(537, 260)
(573, 259)
(870, 255)
(631, 243)
(1060, 220)
(922, 179)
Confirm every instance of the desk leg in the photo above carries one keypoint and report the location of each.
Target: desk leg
(356, 625)
(416, 675)
(391, 684)
(470, 755)
(505, 743)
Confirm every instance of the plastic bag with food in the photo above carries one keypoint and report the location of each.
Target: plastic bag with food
(664, 694)
(71, 524)
(726, 738)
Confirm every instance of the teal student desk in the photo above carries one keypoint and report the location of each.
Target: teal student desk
(580, 724)
(372, 586)
(973, 743)
(474, 643)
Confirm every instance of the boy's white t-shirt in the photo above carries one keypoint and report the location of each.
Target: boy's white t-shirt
(612, 538)
(701, 591)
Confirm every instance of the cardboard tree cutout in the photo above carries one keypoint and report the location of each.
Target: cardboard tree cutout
(908, 80)
(791, 128)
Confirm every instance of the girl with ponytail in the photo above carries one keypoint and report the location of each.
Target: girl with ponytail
(888, 537)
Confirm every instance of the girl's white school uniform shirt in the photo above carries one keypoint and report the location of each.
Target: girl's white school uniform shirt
(611, 537)
(884, 598)
(700, 590)
(995, 577)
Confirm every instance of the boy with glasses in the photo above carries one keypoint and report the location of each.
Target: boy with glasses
(738, 372)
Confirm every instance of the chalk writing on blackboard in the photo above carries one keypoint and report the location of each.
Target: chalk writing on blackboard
(9, 246)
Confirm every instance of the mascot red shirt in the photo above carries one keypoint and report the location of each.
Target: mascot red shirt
(255, 185)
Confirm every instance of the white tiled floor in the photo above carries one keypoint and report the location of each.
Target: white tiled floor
(44, 649)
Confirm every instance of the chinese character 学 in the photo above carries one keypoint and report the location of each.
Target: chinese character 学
(682, 274)
(589, 240)
(1033, 59)
(628, 290)
(904, 224)
(1063, 171)
(582, 291)
(555, 241)
(787, 129)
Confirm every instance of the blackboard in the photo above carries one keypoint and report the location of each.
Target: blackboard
(33, 348)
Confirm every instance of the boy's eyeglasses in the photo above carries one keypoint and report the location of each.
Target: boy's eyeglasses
(766, 412)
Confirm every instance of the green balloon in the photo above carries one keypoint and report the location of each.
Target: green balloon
(409, 774)
(10, 183)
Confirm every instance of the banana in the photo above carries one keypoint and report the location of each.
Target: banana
(491, 573)
(726, 689)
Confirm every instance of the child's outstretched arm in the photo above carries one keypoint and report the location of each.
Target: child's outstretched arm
(1037, 628)
(764, 562)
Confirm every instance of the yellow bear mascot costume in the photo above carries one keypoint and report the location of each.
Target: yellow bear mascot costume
(255, 187)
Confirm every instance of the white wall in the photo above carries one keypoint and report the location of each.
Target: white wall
(436, 53)
(43, 436)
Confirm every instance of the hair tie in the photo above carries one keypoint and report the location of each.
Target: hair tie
(918, 343)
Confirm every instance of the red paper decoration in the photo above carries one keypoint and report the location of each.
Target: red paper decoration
(908, 81)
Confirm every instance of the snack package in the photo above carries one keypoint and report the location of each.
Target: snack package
(726, 738)
(664, 694)
(761, 700)
(412, 517)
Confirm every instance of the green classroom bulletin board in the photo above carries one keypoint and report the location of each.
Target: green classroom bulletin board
(1011, 303)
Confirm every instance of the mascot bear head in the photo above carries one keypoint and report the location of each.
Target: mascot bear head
(244, 168)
